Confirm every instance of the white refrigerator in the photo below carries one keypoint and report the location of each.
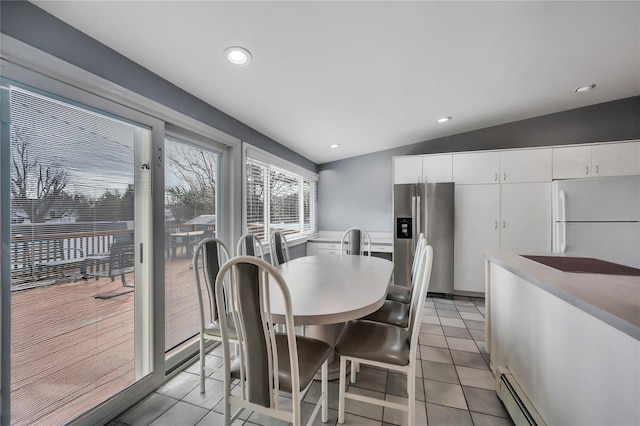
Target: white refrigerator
(598, 217)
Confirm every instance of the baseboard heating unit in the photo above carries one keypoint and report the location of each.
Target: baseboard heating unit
(518, 406)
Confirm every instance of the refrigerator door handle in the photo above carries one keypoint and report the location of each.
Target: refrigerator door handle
(418, 217)
(562, 216)
(563, 243)
(414, 221)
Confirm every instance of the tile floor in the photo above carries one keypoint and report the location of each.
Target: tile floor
(454, 385)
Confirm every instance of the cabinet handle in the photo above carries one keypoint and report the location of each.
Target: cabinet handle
(504, 224)
(596, 169)
(495, 178)
(587, 171)
(504, 176)
(495, 224)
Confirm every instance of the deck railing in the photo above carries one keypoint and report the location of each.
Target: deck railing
(30, 252)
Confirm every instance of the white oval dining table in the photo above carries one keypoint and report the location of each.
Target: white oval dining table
(328, 290)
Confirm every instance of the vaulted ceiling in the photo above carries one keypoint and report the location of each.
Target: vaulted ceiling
(370, 76)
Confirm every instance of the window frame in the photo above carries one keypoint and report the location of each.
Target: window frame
(302, 175)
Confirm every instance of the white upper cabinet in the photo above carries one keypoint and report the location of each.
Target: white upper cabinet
(613, 159)
(616, 159)
(407, 169)
(476, 168)
(437, 168)
(571, 162)
(526, 165)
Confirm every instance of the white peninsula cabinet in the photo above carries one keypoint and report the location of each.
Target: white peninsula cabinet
(611, 159)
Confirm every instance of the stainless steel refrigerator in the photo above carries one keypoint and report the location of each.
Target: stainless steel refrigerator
(598, 217)
(426, 208)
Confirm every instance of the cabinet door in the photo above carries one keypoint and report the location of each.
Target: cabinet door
(437, 168)
(476, 167)
(616, 159)
(407, 169)
(526, 165)
(525, 216)
(571, 162)
(477, 217)
(316, 247)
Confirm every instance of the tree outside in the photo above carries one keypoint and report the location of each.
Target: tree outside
(191, 181)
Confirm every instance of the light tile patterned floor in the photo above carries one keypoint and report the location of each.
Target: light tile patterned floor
(454, 385)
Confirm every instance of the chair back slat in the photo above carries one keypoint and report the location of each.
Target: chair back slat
(355, 241)
(253, 337)
(279, 250)
(208, 256)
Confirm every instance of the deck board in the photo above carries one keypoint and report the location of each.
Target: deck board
(71, 351)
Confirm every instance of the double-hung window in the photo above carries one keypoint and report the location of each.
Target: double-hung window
(279, 196)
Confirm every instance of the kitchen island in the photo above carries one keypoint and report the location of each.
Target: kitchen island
(571, 341)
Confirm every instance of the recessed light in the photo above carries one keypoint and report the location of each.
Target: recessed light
(238, 55)
(444, 119)
(335, 145)
(586, 88)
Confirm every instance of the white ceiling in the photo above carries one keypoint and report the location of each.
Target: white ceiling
(375, 75)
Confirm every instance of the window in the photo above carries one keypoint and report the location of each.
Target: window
(278, 196)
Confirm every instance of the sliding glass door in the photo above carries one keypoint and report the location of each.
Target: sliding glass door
(192, 178)
(80, 245)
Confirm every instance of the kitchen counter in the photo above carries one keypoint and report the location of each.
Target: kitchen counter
(569, 340)
(377, 238)
(614, 299)
(328, 242)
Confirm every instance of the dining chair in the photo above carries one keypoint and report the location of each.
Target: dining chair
(279, 249)
(208, 256)
(268, 363)
(398, 313)
(400, 293)
(250, 245)
(354, 241)
(386, 346)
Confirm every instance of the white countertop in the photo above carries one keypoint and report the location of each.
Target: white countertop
(377, 238)
(614, 299)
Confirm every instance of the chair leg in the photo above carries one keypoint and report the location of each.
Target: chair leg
(355, 367)
(225, 401)
(342, 385)
(202, 357)
(325, 391)
(411, 390)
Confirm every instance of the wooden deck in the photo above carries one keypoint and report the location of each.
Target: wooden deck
(70, 351)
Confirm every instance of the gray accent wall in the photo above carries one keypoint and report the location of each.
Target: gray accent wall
(32, 25)
(357, 191)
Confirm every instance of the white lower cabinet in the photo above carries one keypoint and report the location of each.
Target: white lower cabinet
(317, 247)
(477, 220)
(514, 217)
